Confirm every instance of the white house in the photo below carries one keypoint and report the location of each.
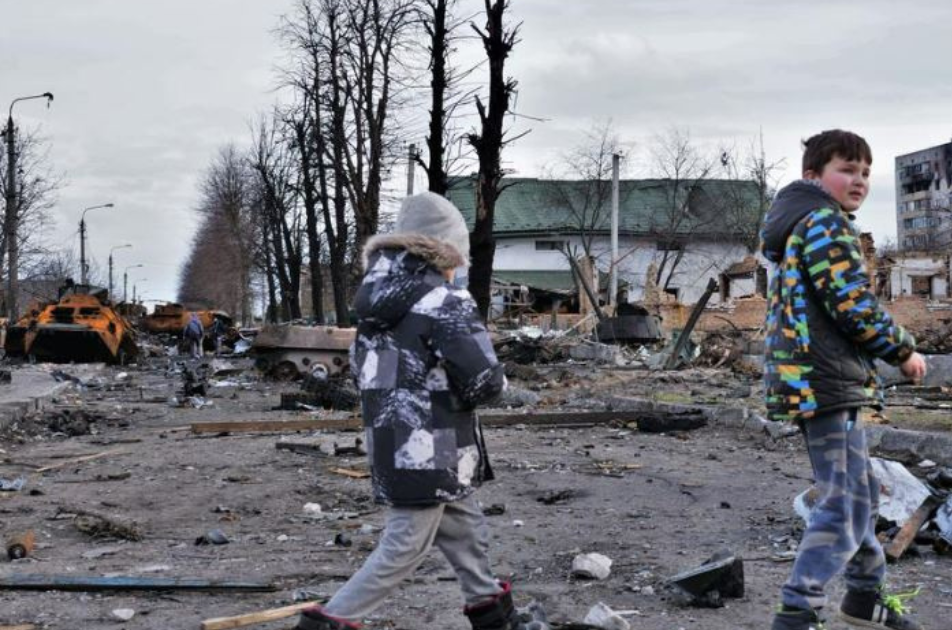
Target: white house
(685, 232)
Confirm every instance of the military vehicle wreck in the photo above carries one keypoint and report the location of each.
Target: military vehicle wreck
(289, 351)
(81, 327)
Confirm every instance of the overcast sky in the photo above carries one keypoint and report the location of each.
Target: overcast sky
(147, 91)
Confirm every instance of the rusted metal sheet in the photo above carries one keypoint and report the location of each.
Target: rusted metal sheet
(287, 351)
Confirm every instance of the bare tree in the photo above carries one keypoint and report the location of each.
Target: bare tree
(37, 188)
(498, 41)
(685, 212)
(273, 166)
(446, 97)
(581, 186)
(742, 207)
(218, 270)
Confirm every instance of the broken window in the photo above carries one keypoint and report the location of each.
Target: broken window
(922, 285)
(550, 246)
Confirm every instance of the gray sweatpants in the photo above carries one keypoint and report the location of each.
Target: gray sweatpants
(842, 529)
(458, 529)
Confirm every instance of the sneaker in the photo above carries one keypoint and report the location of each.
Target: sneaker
(797, 619)
(316, 619)
(875, 609)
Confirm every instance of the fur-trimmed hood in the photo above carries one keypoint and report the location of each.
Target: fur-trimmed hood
(400, 270)
(435, 252)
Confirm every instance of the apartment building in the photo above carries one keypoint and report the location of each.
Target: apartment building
(924, 199)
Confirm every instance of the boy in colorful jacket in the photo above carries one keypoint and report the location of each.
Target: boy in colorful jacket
(824, 328)
(423, 362)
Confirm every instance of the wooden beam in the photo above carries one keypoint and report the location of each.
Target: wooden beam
(907, 533)
(574, 418)
(262, 616)
(25, 626)
(42, 582)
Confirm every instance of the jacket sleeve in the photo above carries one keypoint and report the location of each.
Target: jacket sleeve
(461, 341)
(834, 263)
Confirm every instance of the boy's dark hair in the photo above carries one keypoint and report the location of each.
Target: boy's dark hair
(820, 149)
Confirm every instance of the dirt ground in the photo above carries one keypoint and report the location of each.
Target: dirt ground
(655, 504)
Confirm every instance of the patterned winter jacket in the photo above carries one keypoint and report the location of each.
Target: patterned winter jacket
(824, 325)
(423, 361)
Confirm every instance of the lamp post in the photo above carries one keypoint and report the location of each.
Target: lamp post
(134, 288)
(83, 267)
(11, 220)
(125, 281)
(110, 264)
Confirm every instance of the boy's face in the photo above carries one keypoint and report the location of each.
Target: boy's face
(846, 180)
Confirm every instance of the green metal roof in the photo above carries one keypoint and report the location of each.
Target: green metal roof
(529, 205)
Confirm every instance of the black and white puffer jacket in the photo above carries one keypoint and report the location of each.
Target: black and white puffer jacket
(423, 361)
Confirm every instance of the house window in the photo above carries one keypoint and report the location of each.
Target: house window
(550, 246)
(669, 246)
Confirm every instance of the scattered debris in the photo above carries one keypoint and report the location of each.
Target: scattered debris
(99, 525)
(21, 545)
(907, 533)
(212, 537)
(12, 485)
(719, 577)
(901, 493)
(123, 614)
(602, 616)
(591, 566)
(347, 451)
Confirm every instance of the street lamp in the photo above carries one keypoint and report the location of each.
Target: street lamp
(125, 281)
(83, 267)
(134, 288)
(11, 220)
(110, 264)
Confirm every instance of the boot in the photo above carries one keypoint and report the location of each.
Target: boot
(797, 619)
(316, 619)
(875, 609)
(499, 613)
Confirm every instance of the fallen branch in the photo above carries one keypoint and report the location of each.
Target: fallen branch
(100, 525)
(79, 460)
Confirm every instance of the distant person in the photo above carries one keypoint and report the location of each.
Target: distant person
(423, 361)
(193, 334)
(824, 328)
(217, 332)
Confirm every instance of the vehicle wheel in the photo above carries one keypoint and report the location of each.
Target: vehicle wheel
(285, 371)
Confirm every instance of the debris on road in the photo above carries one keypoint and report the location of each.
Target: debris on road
(591, 566)
(720, 576)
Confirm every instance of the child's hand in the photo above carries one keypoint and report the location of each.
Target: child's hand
(914, 367)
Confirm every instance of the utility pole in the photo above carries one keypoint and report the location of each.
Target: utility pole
(10, 223)
(411, 166)
(11, 220)
(613, 288)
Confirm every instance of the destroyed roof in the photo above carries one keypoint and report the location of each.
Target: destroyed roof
(531, 205)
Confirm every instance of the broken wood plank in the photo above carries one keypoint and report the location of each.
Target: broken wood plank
(303, 448)
(353, 474)
(262, 616)
(24, 626)
(269, 426)
(907, 533)
(54, 582)
(79, 460)
(652, 419)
